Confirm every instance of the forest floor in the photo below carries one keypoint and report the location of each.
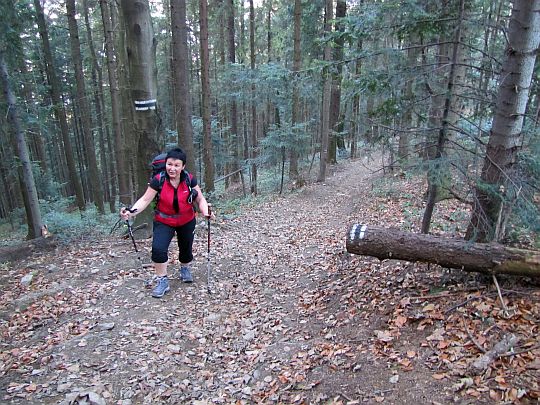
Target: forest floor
(293, 317)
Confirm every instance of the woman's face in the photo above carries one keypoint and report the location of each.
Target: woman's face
(174, 167)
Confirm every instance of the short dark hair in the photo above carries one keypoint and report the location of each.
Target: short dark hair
(177, 153)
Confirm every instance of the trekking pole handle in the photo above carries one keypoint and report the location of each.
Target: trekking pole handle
(130, 228)
(128, 209)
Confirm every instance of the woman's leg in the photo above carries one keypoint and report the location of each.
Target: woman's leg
(161, 240)
(185, 235)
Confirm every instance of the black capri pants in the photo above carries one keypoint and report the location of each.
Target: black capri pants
(163, 235)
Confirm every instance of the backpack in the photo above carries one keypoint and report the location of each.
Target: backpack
(158, 168)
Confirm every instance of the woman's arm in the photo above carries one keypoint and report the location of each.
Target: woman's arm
(201, 202)
(140, 205)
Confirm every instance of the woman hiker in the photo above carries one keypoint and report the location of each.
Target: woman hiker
(178, 190)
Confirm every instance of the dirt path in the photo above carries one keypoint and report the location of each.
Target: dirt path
(293, 318)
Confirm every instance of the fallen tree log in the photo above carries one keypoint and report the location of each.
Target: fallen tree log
(489, 258)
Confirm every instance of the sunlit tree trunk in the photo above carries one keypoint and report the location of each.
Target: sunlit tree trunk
(119, 145)
(297, 65)
(97, 82)
(233, 108)
(356, 107)
(94, 176)
(58, 107)
(496, 185)
(327, 89)
(205, 90)
(253, 145)
(408, 118)
(140, 49)
(336, 119)
(27, 180)
(127, 118)
(180, 71)
(34, 132)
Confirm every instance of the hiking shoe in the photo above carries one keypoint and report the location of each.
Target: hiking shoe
(161, 288)
(185, 275)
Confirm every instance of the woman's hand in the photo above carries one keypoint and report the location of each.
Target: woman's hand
(126, 213)
(210, 213)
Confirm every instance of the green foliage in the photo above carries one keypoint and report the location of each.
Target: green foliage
(68, 225)
(280, 138)
(63, 221)
(527, 211)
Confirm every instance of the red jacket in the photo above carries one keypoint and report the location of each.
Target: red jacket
(165, 211)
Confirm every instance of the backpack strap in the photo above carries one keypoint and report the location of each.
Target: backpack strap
(162, 177)
(188, 179)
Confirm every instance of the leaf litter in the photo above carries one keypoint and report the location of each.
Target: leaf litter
(294, 318)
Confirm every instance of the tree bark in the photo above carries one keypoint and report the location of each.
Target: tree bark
(94, 176)
(233, 108)
(97, 83)
(327, 88)
(487, 218)
(58, 106)
(119, 145)
(140, 49)
(253, 145)
(356, 102)
(33, 130)
(27, 180)
(205, 89)
(490, 258)
(180, 71)
(434, 171)
(336, 117)
(297, 65)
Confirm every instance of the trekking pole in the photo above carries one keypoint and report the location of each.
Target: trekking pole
(208, 252)
(130, 229)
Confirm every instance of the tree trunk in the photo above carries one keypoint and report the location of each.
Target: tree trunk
(435, 172)
(234, 144)
(496, 186)
(253, 145)
(94, 176)
(180, 71)
(34, 217)
(327, 89)
(97, 83)
(58, 106)
(491, 258)
(205, 90)
(33, 129)
(233, 108)
(141, 61)
(335, 98)
(119, 145)
(356, 103)
(408, 116)
(297, 65)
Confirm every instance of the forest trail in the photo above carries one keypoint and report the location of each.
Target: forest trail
(293, 318)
